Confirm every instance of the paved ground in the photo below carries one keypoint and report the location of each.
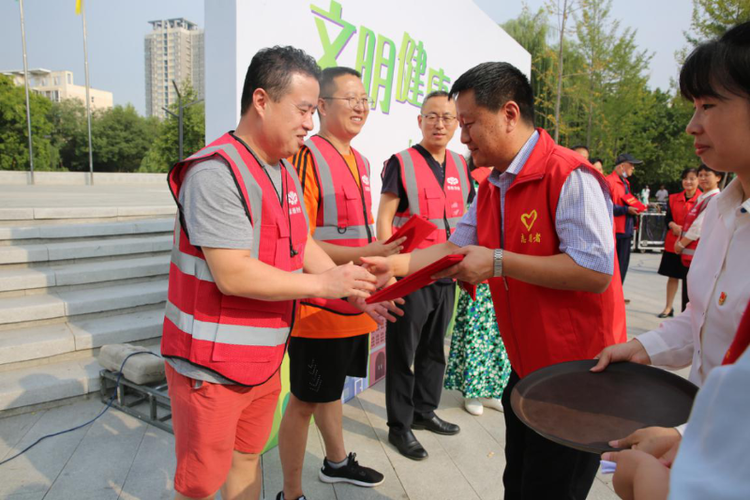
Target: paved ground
(85, 196)
(119, 457)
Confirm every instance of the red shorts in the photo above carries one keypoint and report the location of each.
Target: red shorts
(213, 421)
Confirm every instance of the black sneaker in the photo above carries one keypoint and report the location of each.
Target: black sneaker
(280, 496)
(351, 473)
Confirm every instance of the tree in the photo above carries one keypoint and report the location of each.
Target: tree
(121, 138)
(14, 143)
(69, 134)
(164, 151)
(712, 18)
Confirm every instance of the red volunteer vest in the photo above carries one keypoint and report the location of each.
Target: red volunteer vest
(241, 339)
(541, 326)
(344, 218)
(442, 205)
(679, 208)
(695, 211)
(617, 187)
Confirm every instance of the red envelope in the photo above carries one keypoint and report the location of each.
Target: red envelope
(470, 289)
(415, 281)
(633, 202)
(416, 229)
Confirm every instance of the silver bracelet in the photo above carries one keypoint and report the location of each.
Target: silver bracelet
(498, 263)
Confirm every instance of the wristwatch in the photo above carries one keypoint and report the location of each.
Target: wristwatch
(498, 263)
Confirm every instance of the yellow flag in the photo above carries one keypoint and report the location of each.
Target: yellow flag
(78, 6)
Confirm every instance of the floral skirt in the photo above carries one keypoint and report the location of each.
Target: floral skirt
(477, 364)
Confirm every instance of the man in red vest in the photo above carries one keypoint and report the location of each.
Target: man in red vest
(541, 232)
(242, 256)
(623, 213)
(327, 346)
(431, 181)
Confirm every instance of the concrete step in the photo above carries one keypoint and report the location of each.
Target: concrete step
(83, 213)
(37, 342)
(13, 234)
(82, 273)
(71, 303)
(50, 252)
(51, 382)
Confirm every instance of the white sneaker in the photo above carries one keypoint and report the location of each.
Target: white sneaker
(493, 403)
(473, 406)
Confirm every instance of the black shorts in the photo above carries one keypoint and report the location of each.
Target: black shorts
(318, 367)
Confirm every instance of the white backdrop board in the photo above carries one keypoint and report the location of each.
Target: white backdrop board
(404, 50)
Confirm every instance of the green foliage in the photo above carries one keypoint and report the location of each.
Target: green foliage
(712, 18)
(121, 139)
(164, 151)
(14, 142)
(606, 102)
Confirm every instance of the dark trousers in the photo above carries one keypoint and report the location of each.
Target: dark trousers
(622, 247)
(417, 339)
(685, 298)
(537, 468)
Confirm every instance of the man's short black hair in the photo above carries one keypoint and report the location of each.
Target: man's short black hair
(271, 70)
(594, 160)
(495, 84)
(328, 75)
(434, 93)
(580, 146)
(722, 64)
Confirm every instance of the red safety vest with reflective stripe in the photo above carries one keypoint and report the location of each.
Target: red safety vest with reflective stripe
(679, 207)
(241, 339)
(541, 326)
(442, 205)
(698, 208)
(344, 216)
(619, 192)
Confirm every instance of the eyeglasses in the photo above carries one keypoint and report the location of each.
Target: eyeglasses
(364, 102)
(433, 118)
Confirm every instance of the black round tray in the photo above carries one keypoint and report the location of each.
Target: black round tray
(569, 405)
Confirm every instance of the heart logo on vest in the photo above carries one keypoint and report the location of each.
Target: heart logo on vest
(529, 219)
(292, 198)
(452, 181)
(365, 180)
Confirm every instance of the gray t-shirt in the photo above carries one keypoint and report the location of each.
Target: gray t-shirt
(215, 217)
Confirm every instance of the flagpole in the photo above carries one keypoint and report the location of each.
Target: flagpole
(26, 80)
(88, 97)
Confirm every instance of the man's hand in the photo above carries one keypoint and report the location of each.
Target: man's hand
(655, 441)
(380, 267)
(478, 265)
(346, 280)
(380, 311)
(675, 228)
(632, 351)
(382, 249)
(632, 211)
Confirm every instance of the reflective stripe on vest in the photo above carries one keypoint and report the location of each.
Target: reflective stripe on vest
(331, 229)
(412, 189)
(229, 334)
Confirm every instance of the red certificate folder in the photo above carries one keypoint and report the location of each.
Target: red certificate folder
(633, 202)
(416, 230)
(415, 281)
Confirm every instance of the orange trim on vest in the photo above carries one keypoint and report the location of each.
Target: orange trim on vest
(541, 326)
(345, 202)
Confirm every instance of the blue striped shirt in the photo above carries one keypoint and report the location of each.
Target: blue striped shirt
(583, 219)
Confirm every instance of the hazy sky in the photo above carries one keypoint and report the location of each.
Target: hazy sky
(116, 30)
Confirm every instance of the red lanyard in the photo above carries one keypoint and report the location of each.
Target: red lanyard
(741, 340)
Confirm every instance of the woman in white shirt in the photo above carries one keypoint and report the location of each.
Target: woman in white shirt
(716, 78)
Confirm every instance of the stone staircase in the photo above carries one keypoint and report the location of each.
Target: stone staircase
(72, 280)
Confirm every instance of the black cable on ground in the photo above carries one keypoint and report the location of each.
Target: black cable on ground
(107, 407)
